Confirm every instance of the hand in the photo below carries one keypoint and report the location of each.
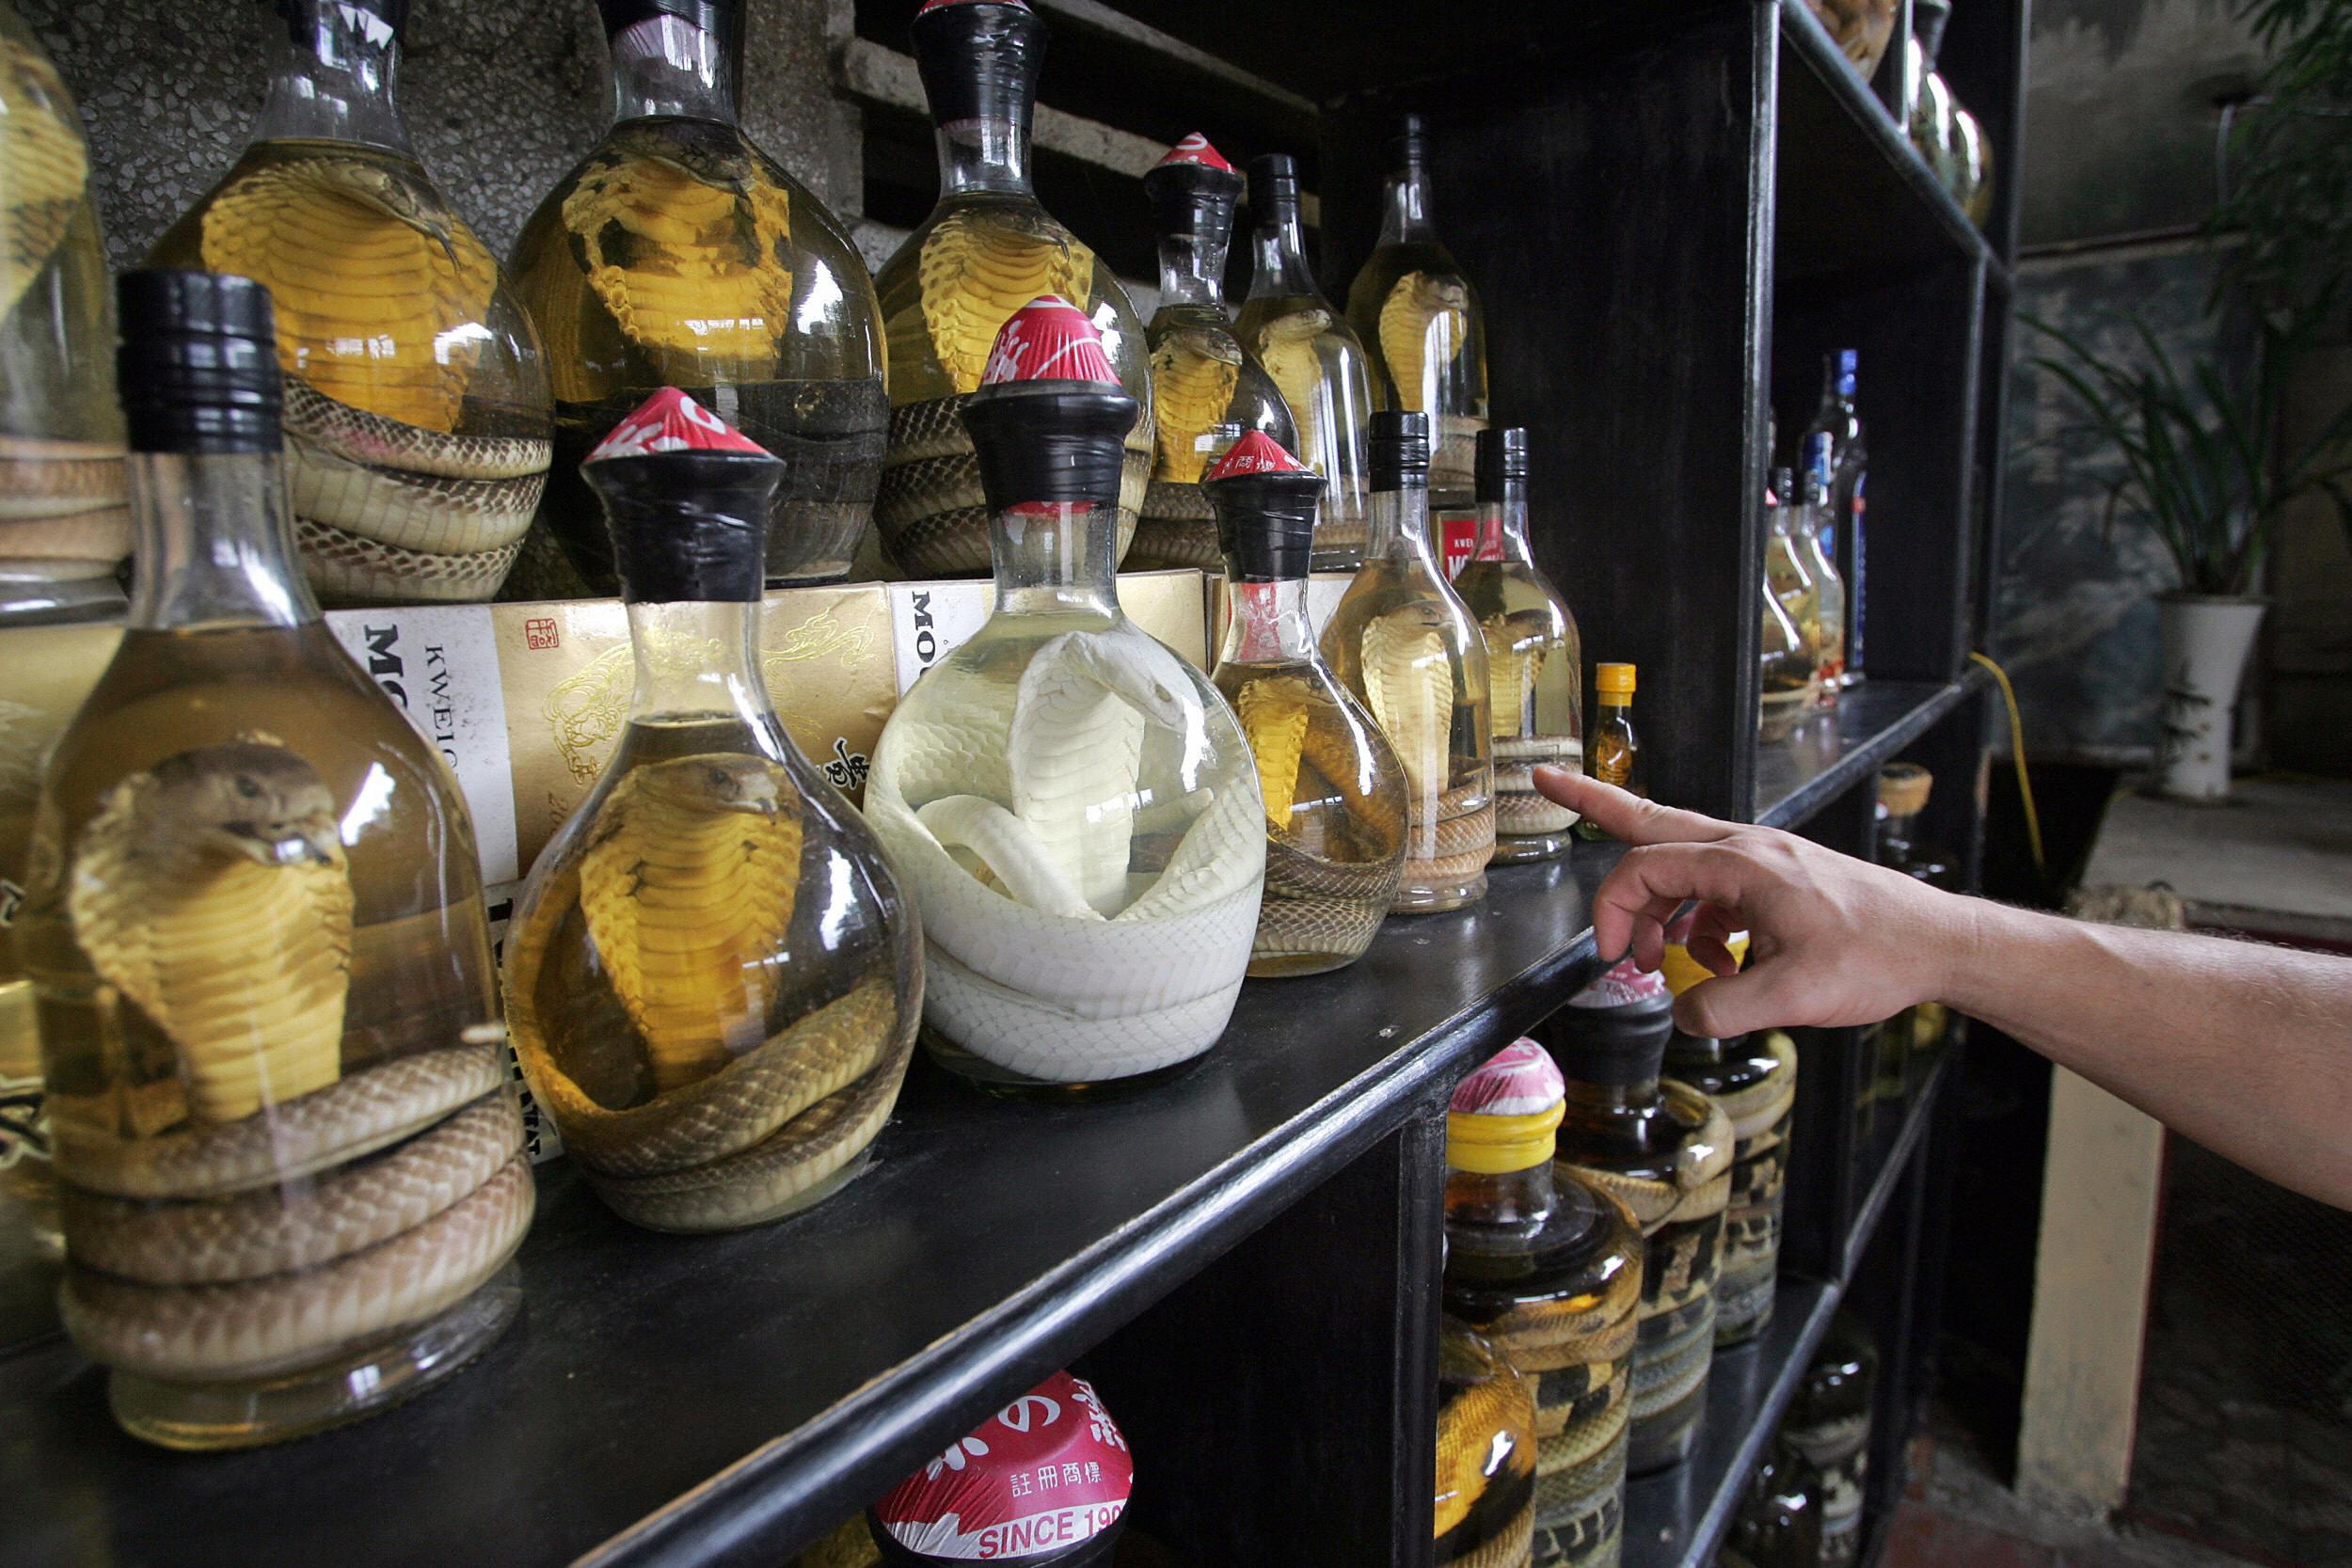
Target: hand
(1832, 940)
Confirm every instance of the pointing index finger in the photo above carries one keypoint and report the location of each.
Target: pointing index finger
(1626, 817)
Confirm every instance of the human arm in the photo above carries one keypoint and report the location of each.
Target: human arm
(2245, 1048)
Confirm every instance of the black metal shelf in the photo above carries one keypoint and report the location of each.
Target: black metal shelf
(1873, 720)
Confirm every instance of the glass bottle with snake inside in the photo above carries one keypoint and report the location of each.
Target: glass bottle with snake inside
(1333, 788)
(1547, 1266)
(985, 251)
(712, 977)
(679, 254)
(1072, 805)
(293, 1164)
(417, 413)
(1401, 641)
(1534, 658)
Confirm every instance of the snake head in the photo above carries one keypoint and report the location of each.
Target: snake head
(248, 798)
(394, 197)
(721, 780)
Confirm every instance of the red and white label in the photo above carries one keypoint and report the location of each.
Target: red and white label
(1047, 1471)
(1520, 1080)
(1195, 148)
(1621, 986)
(1457, 542)
(1256, 453)
(671, 422)
(1048, 340)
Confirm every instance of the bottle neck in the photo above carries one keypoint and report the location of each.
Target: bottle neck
(1608, 709)
(1268, 624)
(214, 544)
(1637, 1094)
(1405, 208)
(1192, 269)
(1055, 558)
(1897, 833)
(1398, 526)
(665, 66)
(697, 657)
(1279, 261)
(1513, 1198)
(1696, 1050)
(337, 83)
(984, 155)
(1503, 526)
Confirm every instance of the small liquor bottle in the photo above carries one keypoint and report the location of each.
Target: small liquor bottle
(294, 1168)
(1418, 314)
(717, 1050)
(1548, 1266)
(415, 398)
(1534, 659)
(1789, 682)
(1485, 1494)
(1612, 753)
(1917, 1033)
(986, 250)
(1754, 1079)
(1829, 1423)
(1042, 1482)
(1333, 788)
(1849, 461)
(1665, 1151)
(1401, 640)
(1206, 391)
(677, 254)
(1314, 357)
(1788, 577)
(1829, 590)
(1779, 1522)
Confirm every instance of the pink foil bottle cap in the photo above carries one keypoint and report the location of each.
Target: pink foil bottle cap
(1048, 340)
(1520, 1080)
(1046, 1472)
(671, 422)
(1255, 453)
(1195, 148)
(1622, 986)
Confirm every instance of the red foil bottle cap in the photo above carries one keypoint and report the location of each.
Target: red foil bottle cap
(1195, 148)
(1623, 986)
(1048, 340)
(1045, 1473)
(1520, 1080)
(671, 422)
(1255, 453)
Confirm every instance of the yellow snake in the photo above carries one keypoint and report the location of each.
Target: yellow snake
(975, 271)
(1424, 323)
(1286, 347)
(1408, 685)
(1758, 1113)
(44, 167)
(1514, 663)
(1193, 377)
(1469, 1424)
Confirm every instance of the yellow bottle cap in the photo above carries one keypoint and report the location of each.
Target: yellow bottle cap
(1615, 680)
(1505, 1114)
(1903, 789)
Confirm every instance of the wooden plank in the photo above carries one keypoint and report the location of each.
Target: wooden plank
(885, 77)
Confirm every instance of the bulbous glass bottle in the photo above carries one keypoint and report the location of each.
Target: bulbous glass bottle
(1316, 359)
(1401, 641)
(985, 251)
(1534, 657)
(1419, 316)
(1779, 1523)
(712, 979)
(1486, 1454)
(293, 1165)
(1797, 628)
(1829, 1424)
(416, 422)
(1333, 787)
(1071, 806)
(1207, 392)
(677, 254)
(65, 527)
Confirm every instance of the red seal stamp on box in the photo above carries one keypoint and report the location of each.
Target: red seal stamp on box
(541, 632)
(1046, 1472)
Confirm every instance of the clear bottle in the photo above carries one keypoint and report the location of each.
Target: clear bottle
(1915, 1036)
(1207, 391)
(1927, 102)
(1401, 640)
(1071, 805)
(679, 254)
(1849, 463)
(1314, 356)
(1787, 577)
(1664, 1150)
(417, 418)
(984, 252)
(1779, 1522)
(1613, 752)
(294, 1169)
(1829, 1424)
(1333, 787)
(1806, 530)
(1534, 657)
(1485, 1483)
(1548, 1267)
(67, 526)
(1788, 687)
(1417, 313)
(1972, 153)
(716, 1049)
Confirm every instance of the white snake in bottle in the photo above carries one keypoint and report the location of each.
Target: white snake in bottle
(1065, 964)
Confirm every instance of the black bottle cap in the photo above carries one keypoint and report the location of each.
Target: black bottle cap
(1410, 147)
(1266, 522)
(1620, 1044)
(301, 18)
(1400, 448)
(979, 60)
(1193, 199)
(687, 526)
(197, 367)
(1273, 189)
(1501, 460)
(711, 16)
(1049, 440)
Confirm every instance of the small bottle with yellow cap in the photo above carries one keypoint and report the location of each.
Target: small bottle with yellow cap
(1548, 1266)
(1753, 1078)
(1612, 751)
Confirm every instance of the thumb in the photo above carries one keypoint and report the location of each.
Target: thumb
(1626, 817)
(1763, 996)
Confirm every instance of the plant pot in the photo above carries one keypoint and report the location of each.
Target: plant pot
(2206, 638)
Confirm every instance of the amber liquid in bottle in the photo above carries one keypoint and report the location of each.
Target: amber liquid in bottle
(1613, 751)
(1485, 1453)
(1754, 1078)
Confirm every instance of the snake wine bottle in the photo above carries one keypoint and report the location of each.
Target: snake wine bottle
(1072, 805)
(712, 978)
(292, 1162)
(1333, 788)
(417, 428)
(1829, 1423)
(1548, 1267)
(1779, 1523)
(1485, 1497)
(1206, 390)
(1534, 658)
(1314, 358)
(985, 251)
(1402, 641)
(1664, 1150)
(1421, 318)
(64, 523)
(677, 254)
